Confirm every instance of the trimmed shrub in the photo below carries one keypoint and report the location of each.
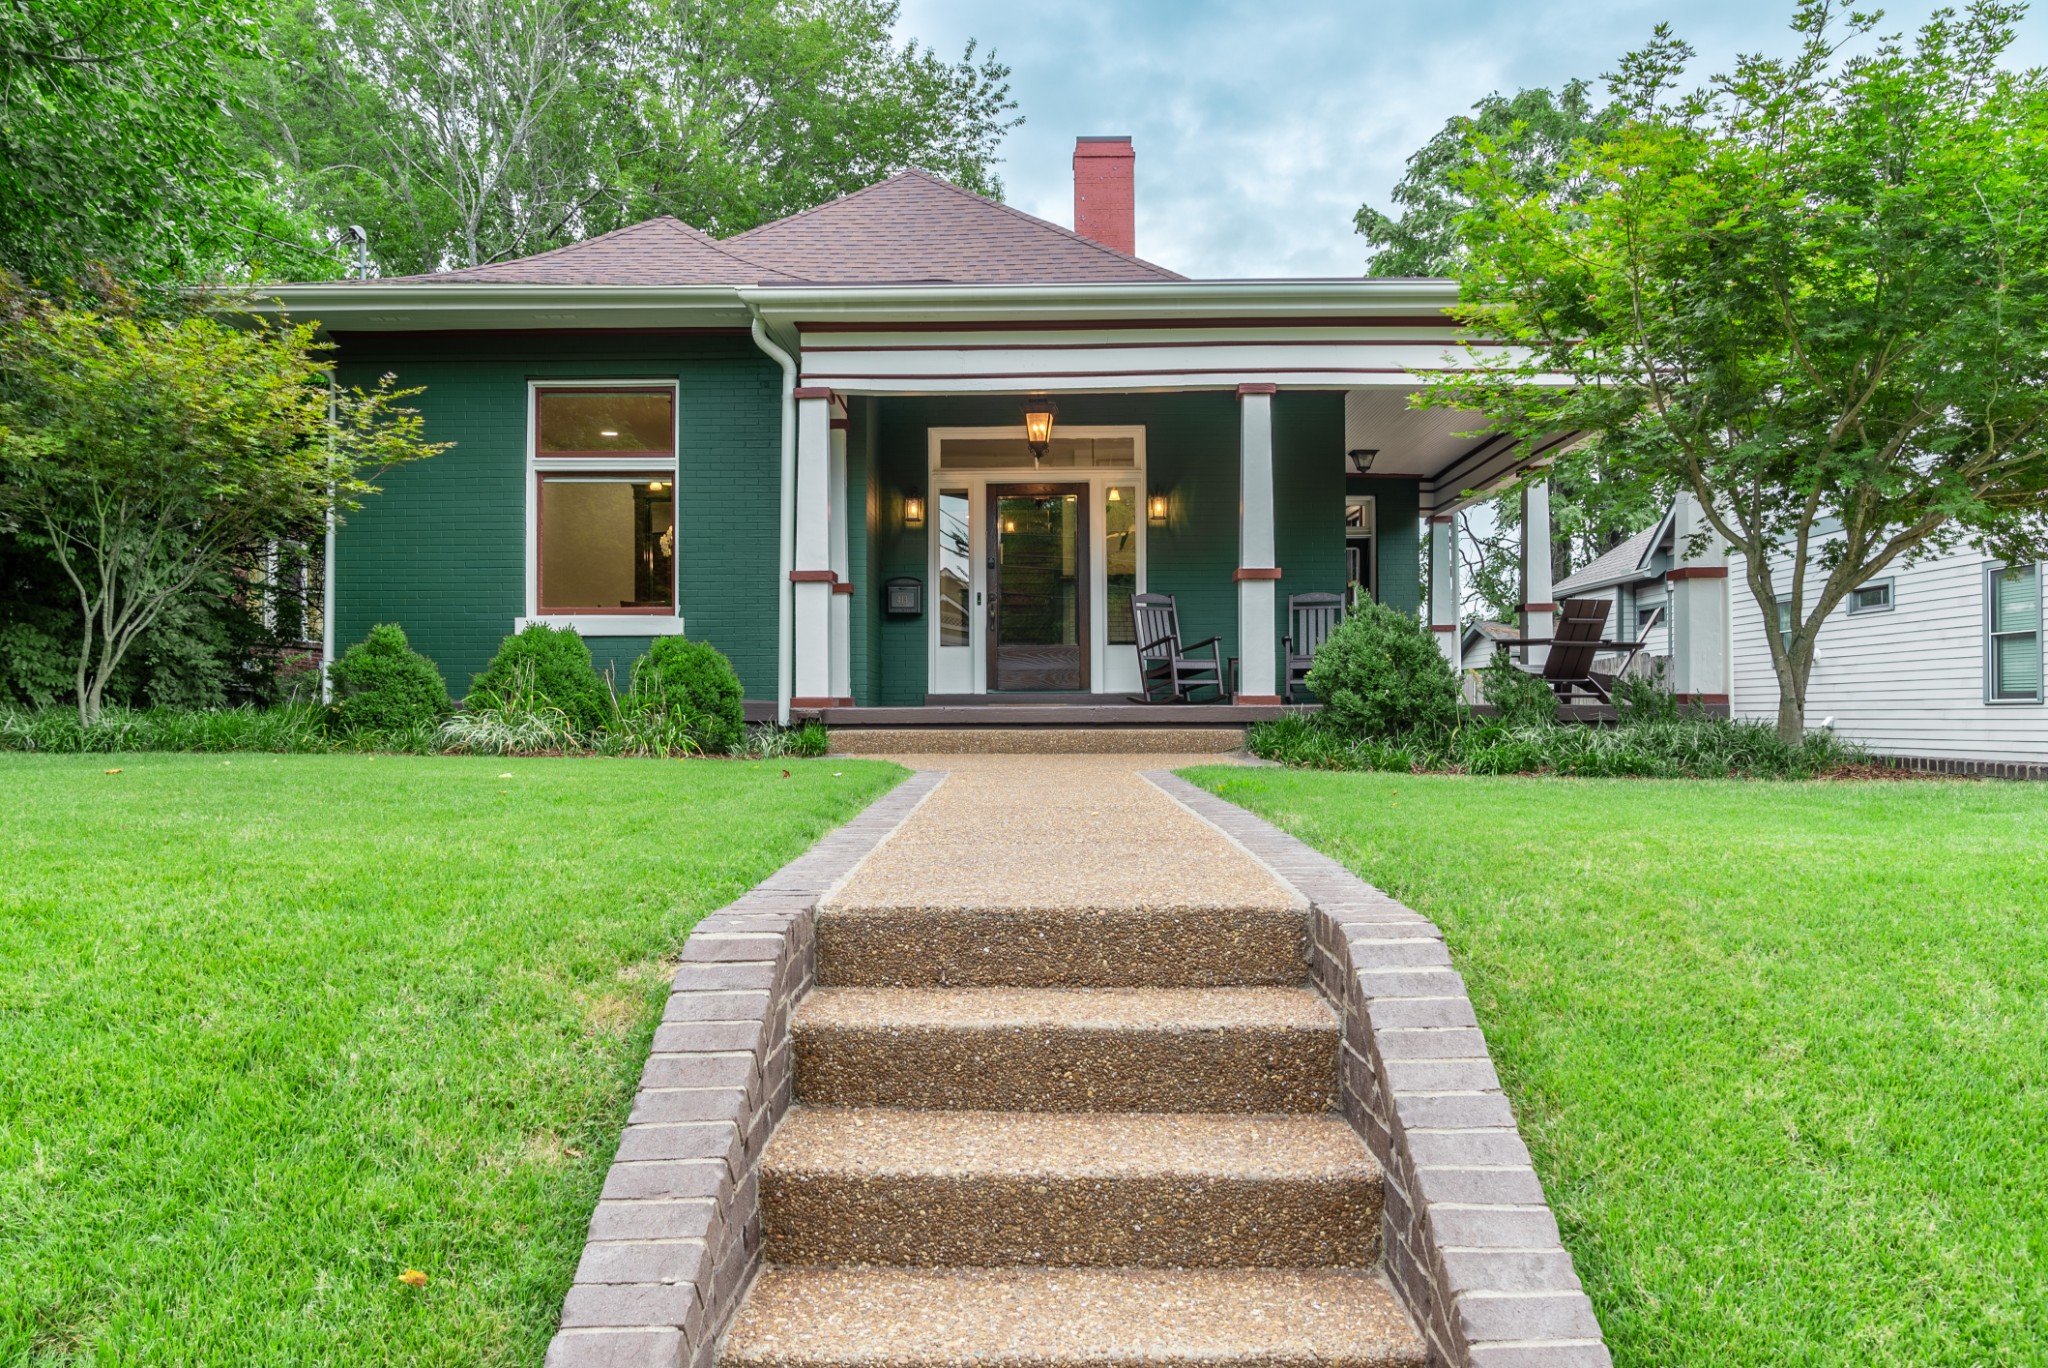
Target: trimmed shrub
(1640, 699)
(1522, 699)
(1380, 674)
(544, 668)
(693, 690)
(381, 684)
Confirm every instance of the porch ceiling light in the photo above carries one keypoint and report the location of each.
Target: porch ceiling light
(913, 508)
(1038, 416)
(1155, 508)
(1360, 459)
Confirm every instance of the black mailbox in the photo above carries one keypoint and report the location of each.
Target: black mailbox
(903, 597)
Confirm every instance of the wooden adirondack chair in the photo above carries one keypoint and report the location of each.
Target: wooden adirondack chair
(1172, 669)
(1568, 668)
(1310, 620)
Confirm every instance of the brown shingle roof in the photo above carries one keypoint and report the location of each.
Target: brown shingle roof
(660, 251)
(915, 227)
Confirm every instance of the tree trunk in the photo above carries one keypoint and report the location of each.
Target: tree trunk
(1792, 696)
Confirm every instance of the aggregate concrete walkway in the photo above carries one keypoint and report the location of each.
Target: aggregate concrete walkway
(1059, 831)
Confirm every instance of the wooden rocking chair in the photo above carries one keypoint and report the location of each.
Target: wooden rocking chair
(1310, 620)
(1171, 669)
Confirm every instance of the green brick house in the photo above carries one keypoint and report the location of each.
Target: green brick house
(807, 444)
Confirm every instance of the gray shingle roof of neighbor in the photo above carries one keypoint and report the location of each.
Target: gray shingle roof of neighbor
(1624, 561)
(912, 228)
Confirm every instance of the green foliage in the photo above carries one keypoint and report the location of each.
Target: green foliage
(1534, 133)
(1695, 747)
(1380, 675)
(767, 741)
(545, 669)
(115, 148)
(1640, 698)
(458, 132)
(1522, 698)
(285, 729)
(691, 691)
(382, 685)
(146, 454)
(1813, 293)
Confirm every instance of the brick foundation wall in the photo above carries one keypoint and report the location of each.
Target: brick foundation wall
(1471, 1246)
(1965, 769)
(676, 1236)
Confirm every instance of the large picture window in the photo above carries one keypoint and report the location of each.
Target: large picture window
(607, 545)
(2013, 622)
(603, 514)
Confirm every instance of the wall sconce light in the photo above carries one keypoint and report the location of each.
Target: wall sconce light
(1038, 416)
(1155, 508)
(913, 508)
(1360, 459)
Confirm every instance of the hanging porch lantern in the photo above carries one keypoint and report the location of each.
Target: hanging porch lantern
(1038, 415)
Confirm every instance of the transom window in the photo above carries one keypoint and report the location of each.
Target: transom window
(2013, 632)
(605, 422)
(1014, 453)
(604, 501)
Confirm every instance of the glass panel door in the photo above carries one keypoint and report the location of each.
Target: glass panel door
(1038, 587)
(954, 576)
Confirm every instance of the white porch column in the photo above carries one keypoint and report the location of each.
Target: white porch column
(842, 582)
(1445, 596)
(812, 577)
(1539, 614)
(1257, 661)
(1699, 608)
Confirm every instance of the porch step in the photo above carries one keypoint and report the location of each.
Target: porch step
(1018, 1188)
(1071, 1318)
(1052, 735)
(1235, 1050)
(1030, 947)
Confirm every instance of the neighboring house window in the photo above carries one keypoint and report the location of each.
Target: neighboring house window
(1645, 616)
(604, 484)
(1874, 597)
(1785, 622)
(2013, 634)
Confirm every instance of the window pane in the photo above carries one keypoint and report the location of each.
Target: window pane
(1359, 513)
(1012, 453)
(580, 422)
(955, 572)
(606, 544)
(2017, 667)
(2016, 601)
(1120, 560)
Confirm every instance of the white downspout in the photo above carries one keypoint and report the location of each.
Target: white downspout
(784, 606)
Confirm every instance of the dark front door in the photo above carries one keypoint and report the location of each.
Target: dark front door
(1038, 587)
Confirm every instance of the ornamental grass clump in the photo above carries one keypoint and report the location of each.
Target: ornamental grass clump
(686, 697)
(545, 669)
(1381, 676)
(382, 686)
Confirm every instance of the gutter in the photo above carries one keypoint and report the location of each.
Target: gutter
(785, 607)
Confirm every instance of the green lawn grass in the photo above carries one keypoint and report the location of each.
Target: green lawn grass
(1780, 1050)
(275, 1029)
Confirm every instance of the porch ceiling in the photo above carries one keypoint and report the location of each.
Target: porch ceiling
(1451, 451)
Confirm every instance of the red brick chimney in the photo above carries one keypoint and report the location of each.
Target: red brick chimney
(1105, 201)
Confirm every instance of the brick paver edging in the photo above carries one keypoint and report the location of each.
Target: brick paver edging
(677, 1232)
(1471, 1246)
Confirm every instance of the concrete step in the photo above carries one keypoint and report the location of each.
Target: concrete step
(1070, 1318)
(1237, 1050)
(879, 1186)
(1026, 732)
(1053, 947)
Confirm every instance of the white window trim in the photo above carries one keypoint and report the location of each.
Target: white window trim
(1992, 570)
(595, 624)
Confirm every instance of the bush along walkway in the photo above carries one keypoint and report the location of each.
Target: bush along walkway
(1068, 1088)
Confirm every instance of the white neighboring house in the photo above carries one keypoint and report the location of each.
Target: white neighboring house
(1476, 647)
(1632, 577)
(1937, 660)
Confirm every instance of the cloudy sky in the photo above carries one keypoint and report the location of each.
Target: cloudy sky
(1260, 128)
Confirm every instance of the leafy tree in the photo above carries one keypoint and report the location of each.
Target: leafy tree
(1813, 292)
(1532, 134)
(145, 454)
(466, 131)
(114, 145)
